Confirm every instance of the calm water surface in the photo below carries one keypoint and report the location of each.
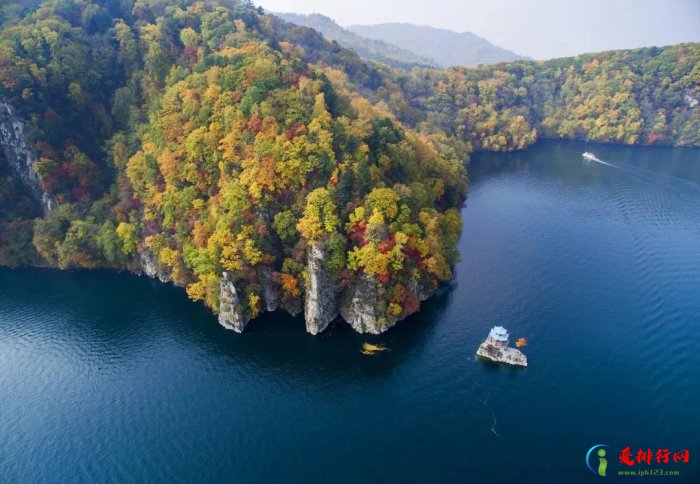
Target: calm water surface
(108, 376)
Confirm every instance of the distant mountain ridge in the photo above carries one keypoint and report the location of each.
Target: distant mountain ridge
(445, 47)
(378, 50)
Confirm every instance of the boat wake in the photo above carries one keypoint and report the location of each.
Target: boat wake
(591, 157)
(650, 175)
(598, 160)
(493, 413)
(493, 427)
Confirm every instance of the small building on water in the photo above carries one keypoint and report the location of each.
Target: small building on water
(496, 349)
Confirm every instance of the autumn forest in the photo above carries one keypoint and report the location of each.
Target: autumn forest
(197, 138)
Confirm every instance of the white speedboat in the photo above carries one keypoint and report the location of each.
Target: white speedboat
(589, 156)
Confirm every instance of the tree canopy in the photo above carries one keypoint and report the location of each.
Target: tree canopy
(206, 136)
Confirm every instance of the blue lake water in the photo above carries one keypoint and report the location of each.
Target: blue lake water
(112, 377)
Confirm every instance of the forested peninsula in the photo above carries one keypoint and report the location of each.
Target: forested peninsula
(261, 167)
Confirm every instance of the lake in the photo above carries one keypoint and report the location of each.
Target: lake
(112, 377)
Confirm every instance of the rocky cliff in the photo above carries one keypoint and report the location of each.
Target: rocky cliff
(231, 313)
(270, 290)
(148, 265)
(321, 301)
(21, 155)
(363, 307)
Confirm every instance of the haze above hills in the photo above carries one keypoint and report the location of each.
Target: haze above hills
(540, 29)
(448, 48)
(401, 44)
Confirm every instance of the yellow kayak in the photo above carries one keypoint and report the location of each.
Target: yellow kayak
(369, 349)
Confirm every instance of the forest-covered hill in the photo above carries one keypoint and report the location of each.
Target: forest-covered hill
(258, 165)
(642, 96)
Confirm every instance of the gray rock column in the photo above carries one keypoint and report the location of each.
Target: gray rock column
(270, 290)
(321, 301)
(231, 314)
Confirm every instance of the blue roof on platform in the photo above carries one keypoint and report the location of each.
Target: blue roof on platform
(499, 333)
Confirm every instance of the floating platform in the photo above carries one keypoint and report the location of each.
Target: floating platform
(496, 349)
(509, 356)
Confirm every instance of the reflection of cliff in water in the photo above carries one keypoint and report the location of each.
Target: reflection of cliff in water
(123, 315)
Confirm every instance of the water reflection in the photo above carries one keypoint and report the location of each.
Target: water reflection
(130, 313)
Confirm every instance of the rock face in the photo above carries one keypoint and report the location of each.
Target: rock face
(509, 356)
(363, 306)
(321, 302)
(231, 314)
(270, 291)
(232, 311)
(360, 307)
(149, 266)
(20, 155)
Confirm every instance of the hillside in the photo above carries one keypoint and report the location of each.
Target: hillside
(367, 48)
(642, 96)
(196, 143)
(12, 10)
(260, 166)
(446, 47)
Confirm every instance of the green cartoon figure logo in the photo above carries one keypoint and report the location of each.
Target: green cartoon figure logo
(602, 465)
(603, 462)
